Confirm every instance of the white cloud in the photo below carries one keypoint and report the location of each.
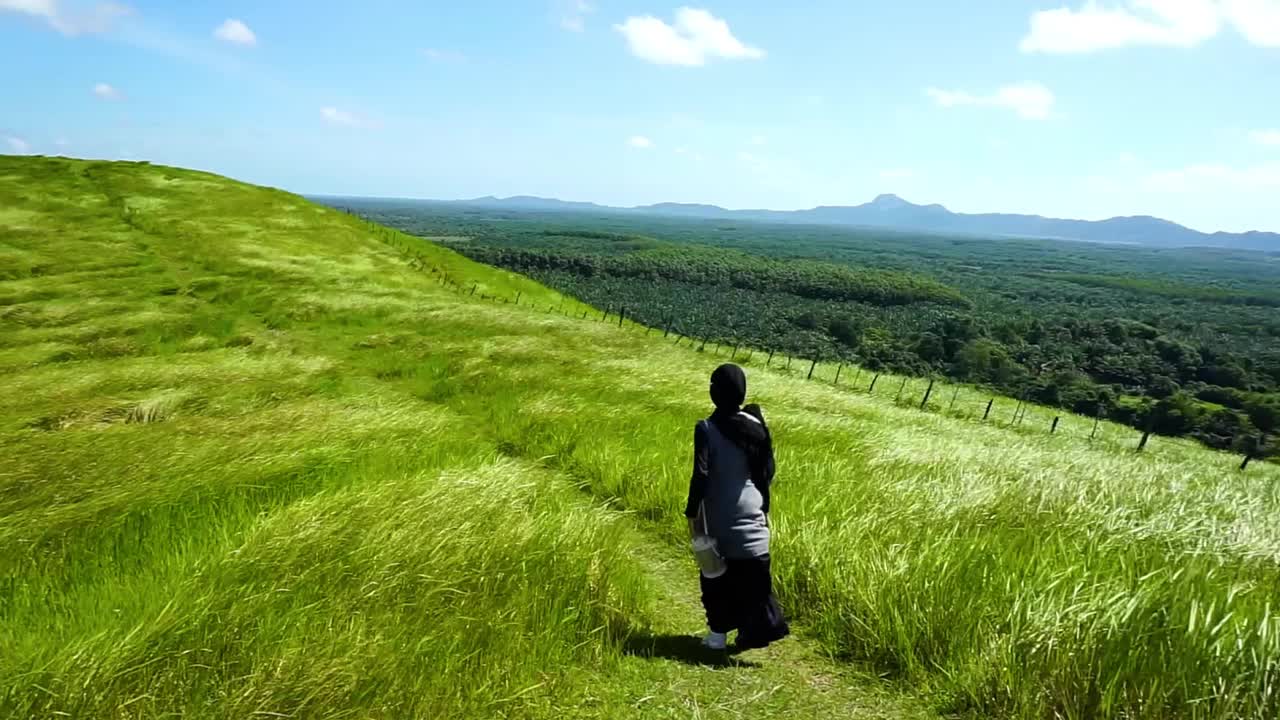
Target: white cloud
(755, 161)
(758, 140)
(56, 15)
(440, 55)
(897, 174)
(1114, 24)
(235, 32)
(1212, 176)
(346, 118)
(1266, 137)
(17, 145)
(1257, 20)
(107, 92)
(640, 142)
(1030, 100)
(573, 14)
(696, 37)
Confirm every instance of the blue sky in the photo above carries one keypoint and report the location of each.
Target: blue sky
(1058, 107)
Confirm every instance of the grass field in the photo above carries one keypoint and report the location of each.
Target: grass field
(259, 461)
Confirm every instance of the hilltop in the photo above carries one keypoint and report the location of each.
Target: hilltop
(265, 458)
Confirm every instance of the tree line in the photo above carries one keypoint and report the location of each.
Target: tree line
(1192, 348)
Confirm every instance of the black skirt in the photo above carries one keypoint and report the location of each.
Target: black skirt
(742, 599)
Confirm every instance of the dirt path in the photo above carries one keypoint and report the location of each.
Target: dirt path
(667, 674)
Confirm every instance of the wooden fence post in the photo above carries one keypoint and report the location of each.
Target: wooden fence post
(872, 389)
(901, 389)
(473, 288)
(703, 345)
(838, 369)
(856, 376)
(518, 293)
(1097, 418)
(954, 395)
(734, 354)
(766, 362)
(605, 316)
(811, 367)
(987, 414)
(924, 404)
(788, 362)
(622, 314)
(1054, 429)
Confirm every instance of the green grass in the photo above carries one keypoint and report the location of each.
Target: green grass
(263, 458)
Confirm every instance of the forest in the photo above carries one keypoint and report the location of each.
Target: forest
(1182, 342)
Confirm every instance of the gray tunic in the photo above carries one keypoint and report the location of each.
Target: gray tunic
(722, 487)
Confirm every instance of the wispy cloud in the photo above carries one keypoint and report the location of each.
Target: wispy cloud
(897, 174)
(1214, 176)
(1266, 137)
(1097, 26)
(17, 145)
(107, 92)
(346, 118)
(440, 55)
(758, 140)
(235, 32)
(80, 17)
(573, 14)
(640, 142)
(71, 22)
(751, 159)
(1029, 100)
(696, 37)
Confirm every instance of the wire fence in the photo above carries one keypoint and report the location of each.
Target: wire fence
(932, 395)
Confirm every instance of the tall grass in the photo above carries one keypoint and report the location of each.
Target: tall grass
(278, 469)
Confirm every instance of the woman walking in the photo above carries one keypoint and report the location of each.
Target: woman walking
(729, 502)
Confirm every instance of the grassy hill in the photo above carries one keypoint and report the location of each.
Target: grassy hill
(262, 459)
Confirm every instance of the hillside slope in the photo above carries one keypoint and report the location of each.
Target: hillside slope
(265, 460)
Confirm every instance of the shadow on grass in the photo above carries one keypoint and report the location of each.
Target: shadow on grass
(686, 649)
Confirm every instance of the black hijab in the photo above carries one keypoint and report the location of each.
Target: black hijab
(751, 434)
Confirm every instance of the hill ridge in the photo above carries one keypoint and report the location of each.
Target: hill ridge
(891, 211)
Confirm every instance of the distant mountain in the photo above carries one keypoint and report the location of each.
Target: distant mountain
(528, 202)
(893, 212)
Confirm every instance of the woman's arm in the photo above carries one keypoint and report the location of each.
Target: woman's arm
(698, 480)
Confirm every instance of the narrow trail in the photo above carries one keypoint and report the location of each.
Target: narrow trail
(681, 679)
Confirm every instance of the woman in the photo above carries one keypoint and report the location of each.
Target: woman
(729, 500)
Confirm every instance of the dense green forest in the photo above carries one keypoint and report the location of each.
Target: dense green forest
(1182, 342)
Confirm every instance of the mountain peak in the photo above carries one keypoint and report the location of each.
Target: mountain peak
(889, 201)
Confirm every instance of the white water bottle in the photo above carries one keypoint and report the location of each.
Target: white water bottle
(708, 557)
(706, 552)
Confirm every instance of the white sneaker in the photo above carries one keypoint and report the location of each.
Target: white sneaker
(715, 641)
